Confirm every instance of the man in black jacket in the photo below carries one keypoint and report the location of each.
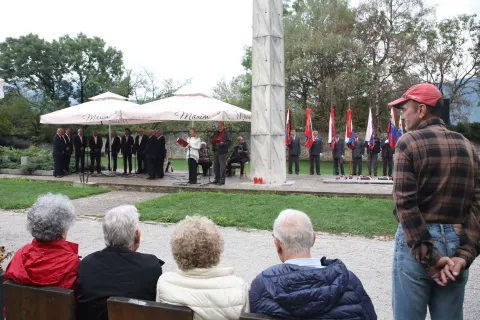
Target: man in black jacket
(220, 143)
(316, 150)
(118, 270)
(95, 143)
(294, 152)
(67, 156)
(127, 150)
(59, 148)
(372, 154)
(140, 144)
(160, 154)
(387, 155)
(239, 155)
(80, 143)
(358, 149)
(338, 154)
(151, 154)
(115, 150)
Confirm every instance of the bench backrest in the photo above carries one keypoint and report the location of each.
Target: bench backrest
(254, 316)
(128, 309)
(38, 303)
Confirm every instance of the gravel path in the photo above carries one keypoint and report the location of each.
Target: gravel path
(252, 251)
(99, 204)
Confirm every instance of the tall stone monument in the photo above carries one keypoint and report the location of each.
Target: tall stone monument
(268, 93)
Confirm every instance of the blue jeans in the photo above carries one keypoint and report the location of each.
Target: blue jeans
(413, 290)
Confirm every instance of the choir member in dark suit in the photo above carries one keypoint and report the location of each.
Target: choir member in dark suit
(139, 148)
(59, 148)
(127, 151)
(67, 156)
(161, 152)
(150, 154)
(294, 152)
(95, 143)
(80, 143)
(115, 150)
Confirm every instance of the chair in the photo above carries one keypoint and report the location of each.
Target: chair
(127, 309)
(38, 303)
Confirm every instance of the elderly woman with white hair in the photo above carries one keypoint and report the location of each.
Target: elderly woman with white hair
(118, 270)
(49, 260)
(212, 292)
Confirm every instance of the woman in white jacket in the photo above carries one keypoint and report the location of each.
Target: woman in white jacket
(192, 155)
(212, 292)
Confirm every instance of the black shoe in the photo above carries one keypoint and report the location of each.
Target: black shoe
(221, 183)
(311, 173)
(319, 174)
(213, 182)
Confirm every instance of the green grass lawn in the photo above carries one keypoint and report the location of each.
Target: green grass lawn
(359, 216)
(21, 193)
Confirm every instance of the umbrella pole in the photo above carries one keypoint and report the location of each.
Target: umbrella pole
(110, 143)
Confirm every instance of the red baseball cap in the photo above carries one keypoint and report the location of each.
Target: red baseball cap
(425, 93)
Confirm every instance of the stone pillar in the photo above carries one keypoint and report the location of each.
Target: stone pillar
(268, 93)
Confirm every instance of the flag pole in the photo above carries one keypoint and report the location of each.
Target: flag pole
(346, 137)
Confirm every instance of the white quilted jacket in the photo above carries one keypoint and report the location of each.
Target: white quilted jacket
(213, 293)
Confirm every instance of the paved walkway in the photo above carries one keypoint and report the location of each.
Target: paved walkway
(251, 252)
(174, 182)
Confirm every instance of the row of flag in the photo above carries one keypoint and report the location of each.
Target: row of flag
(394, 131)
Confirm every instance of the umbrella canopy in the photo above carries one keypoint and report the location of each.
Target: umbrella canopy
(193, 107)
(107, 108)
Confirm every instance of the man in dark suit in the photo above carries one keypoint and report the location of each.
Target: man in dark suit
(80, 143)
(294, 152)
(59, 148)
(338, 154)
(151, 154)
(67, 156)
(139, 148)
(239, 155)
(127, 150)
(387, 155)
(372, 156)
(161, 153)
(358, 151)
(316, 150)
(118, 270)
(95, 143)
(115, 150)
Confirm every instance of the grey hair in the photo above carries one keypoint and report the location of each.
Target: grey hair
(119, 226)
(294, 229)
(50, 216)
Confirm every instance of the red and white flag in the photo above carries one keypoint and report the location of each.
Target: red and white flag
(308, 129)
(331, 129)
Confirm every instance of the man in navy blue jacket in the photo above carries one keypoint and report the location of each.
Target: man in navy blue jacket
(303, 287)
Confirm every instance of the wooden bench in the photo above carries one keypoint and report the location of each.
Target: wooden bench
(254, 316)
(128, 309)
(38, 303)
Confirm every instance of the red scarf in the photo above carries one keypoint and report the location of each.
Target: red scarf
(219, 136)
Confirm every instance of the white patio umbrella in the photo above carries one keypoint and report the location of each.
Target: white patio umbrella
(106, 108)
(193, 106)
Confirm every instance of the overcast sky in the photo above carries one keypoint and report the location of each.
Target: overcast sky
(177, 39)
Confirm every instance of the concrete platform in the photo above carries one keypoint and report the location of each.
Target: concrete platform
(177, 182)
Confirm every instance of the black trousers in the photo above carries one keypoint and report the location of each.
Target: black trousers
(127, 157)
(95, 156)
(336, 162)
(151, 167)
(80, 158)
(205, 165)
(114, 160)
(357, 166)
(315, 159)
(192, 170)
(159, 167)
(387, 162)
(239, 161)
(58, 165)
(67, 157)
(141, 162)
(294, 158)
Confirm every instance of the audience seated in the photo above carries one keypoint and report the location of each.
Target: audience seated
(303, 287)
(212, 292)
(49, 260)
(117, 270)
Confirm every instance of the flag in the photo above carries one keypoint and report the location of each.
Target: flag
(288, 126)
(400, 127)
(331, 129)
(308, 129)
(370, 135)
(392, 129)
(349, 132)
(351, 140)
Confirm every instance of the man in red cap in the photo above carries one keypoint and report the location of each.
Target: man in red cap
(436, 189)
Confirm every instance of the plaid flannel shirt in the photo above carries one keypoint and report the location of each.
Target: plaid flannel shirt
(437, 180)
